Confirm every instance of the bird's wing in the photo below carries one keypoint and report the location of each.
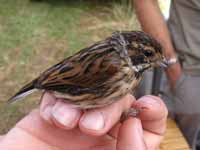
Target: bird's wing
(83, 72)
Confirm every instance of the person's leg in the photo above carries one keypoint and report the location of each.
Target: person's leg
(187, 107)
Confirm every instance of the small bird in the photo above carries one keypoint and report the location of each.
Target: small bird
(102, 73)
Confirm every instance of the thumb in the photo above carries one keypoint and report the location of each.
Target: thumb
(131, 135)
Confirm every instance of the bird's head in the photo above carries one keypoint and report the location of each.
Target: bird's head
(143, 49)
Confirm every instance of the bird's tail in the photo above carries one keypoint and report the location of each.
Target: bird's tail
(23, 92)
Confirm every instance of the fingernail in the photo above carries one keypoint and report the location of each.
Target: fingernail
(65, 115)
(93, 120)
(148, 100)
(46, 113)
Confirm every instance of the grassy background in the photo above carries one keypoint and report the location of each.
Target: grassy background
(35, 35)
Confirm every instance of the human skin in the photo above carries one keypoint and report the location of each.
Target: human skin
(152, 22)
(60, 126)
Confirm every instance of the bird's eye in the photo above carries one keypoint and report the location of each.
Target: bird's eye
(148, 53)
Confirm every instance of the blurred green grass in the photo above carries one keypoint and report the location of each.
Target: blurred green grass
(35, 35)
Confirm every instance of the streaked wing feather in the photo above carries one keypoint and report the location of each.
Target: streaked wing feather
(84, 72)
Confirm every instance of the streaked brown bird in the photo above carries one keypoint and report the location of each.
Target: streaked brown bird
(102, 73)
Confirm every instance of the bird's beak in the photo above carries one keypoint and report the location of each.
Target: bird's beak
(164, 63)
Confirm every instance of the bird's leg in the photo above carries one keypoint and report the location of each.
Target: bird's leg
(132, 112)
(120, 44)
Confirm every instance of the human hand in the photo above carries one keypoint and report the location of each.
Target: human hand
(59, 126)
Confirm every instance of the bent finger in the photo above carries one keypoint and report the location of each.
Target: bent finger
(46, 105)
(56, 111)
(100, 121)
(153, 114)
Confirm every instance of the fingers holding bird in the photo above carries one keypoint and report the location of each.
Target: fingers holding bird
(105, 120)
(99, 121)
(94, 122)
(60, 113)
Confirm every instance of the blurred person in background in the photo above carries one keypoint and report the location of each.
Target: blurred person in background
(180, 38)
